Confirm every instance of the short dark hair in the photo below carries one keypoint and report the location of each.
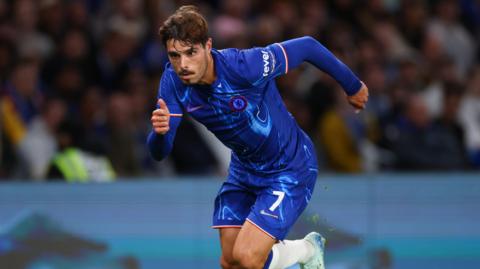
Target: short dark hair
(186, 25)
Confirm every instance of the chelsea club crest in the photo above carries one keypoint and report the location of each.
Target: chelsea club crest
(238, 103)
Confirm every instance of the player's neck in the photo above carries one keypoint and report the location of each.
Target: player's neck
(210, 75)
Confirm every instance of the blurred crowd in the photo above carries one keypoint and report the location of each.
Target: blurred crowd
(79, 78)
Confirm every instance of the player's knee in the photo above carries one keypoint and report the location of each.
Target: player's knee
(227, 262)
(246, 259)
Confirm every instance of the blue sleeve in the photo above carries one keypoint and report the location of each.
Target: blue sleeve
(161, 145)
(261, 64)
(310, 50)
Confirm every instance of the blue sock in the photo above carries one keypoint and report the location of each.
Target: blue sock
(268, 261)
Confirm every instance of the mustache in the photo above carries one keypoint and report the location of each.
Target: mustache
(185, 73)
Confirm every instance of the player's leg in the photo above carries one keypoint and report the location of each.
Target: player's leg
(252, 247)
(232, 206)
(227, 241)
(256, 249)
(273, 214)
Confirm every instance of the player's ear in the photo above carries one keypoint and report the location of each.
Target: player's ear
(208, 44)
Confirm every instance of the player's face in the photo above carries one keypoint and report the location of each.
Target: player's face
(190, 61)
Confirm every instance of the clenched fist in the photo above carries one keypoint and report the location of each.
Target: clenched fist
(161, 118)
(359, 100)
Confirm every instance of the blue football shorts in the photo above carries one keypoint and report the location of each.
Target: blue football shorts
(271, 204)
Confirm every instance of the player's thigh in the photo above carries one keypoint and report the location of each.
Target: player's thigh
(232, 205)
(280, 204)
(228, 237)
(252, 246)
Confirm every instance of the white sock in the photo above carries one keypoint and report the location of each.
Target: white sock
(289, 252)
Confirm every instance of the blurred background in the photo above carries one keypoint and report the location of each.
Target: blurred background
(399, 185)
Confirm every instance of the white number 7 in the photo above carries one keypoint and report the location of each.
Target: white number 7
(280, 195)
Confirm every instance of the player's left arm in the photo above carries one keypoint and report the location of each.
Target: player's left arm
(307, 49)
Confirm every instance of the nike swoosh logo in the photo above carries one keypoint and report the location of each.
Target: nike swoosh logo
(268, 214)
(191, 109)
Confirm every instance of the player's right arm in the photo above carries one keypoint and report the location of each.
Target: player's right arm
(165, 119)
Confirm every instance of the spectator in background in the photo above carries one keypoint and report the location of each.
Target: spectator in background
(378, 103)
(40, 145)
(69, 85)
(452, 35)
(445, 74)
(314, 19)
(470, 17)
(341, 134)
(230, 25)
(21, 100)
(120, 29)
(432, 52)
(73, 164)
(130, 13)
(121, 131)
(370, 52)
(135, 84)
(91, 121)
(286, 12)
(116, 54)
(73, 51)
(77, 15)
(392, 42)
(265, 30)
(412, 21)
(52, 18)
(420, 145)
(448, 117)
(411, 75)
(7, 59)
(470, 116)
(30, 42)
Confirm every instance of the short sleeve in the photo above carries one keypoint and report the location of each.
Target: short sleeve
(259, 65)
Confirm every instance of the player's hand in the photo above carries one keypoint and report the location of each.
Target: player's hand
(161, 118)
(359, 100)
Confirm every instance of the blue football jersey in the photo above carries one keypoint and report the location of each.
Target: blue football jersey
(244, 109)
